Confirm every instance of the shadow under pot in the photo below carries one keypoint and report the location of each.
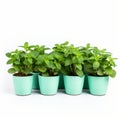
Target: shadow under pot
(23, 85)
(61, 82)
(48, 85)
(85, 86)
(35, 81)
(98, 85)
(73, 84)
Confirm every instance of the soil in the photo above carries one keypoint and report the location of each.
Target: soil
(21, 74)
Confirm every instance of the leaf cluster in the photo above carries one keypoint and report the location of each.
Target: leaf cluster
(71, 59)
(48, 64)
(64, 58)
(23, 62)
(98, 62)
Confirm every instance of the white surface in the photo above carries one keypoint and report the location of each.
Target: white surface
(55, 21)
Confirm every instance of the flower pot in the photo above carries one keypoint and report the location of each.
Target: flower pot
(48, 85)
(73, 84)
(85, 86)
(35, 81)
(98, 85)
(23, 85)
(61, 82)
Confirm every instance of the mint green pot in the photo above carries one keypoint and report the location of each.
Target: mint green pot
(48, 85)
(23, 85)
(61, 82)
(85, 86)
(35, 81)
(98, 85)
(73, 84)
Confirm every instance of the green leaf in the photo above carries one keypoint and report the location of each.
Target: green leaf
(26, 45)
(17, 62)
(74, 60)
(8, 54)
(45, 74)
(10, 61)
(88, 45)
(11, 70)
(67, 62)
(47, 62)
(109, 71)
(42, 69)
(113, 74)
(66, 43)
(79, 72)
(30, 60)
(96, 65)
(79, 66)
(100, 72)
(58, 65)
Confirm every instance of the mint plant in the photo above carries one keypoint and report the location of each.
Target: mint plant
(48, 64)
(71, 59)
(20, 61)
(98, 62)
(35, 52)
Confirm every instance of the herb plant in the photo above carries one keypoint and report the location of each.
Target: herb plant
(20, 61)
(35, 52)
(98, 62)
(72, 60)
(48, 65)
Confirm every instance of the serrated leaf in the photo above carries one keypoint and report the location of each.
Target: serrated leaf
(66, 43)
(88, 45)
(113, 74)
(26, 45)
(10, 61)
(108, 70)
(11, 70)
(17, 62)
(8, 54)
(47, 62)
(58, 65)
(100, 72)
(96, 65)
(42, 69)
(67, 62)
(30, 60)
(79, 66)
(79, 72)
(45, 74)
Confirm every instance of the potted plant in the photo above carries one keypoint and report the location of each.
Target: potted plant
(73, 70)
(86, 52)
(59, 49)
(99, 66)
(21, 68)
(35, 51)
(49, 68)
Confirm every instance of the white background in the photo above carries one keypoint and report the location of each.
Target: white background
(55, 21)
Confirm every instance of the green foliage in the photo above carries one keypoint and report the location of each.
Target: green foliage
(48, 64)
(64, 58)
(70, 58)
(98, 62)
(20, 61)
(35, 52)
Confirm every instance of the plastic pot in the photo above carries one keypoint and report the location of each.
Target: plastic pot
(23, 85)
(48, 85)
(73, 84)
(98, 85)
(35, 81)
